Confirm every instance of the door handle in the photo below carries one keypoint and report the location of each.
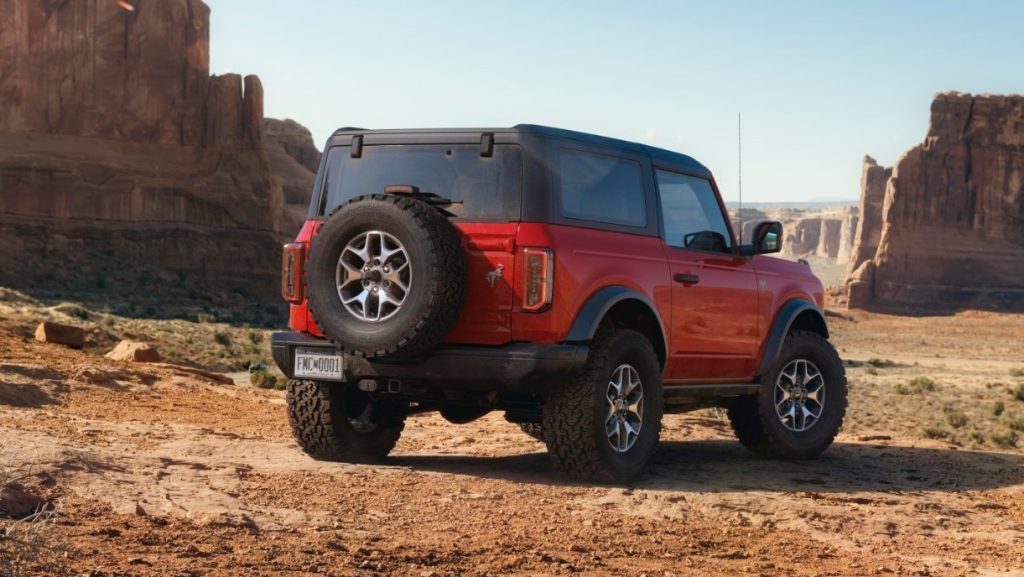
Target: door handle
(686, 279)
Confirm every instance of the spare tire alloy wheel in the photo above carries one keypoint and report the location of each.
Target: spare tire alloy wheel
(374, 276)
(386, 276)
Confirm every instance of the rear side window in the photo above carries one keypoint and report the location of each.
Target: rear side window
(482, 187)
(691, 214)
(602, 188)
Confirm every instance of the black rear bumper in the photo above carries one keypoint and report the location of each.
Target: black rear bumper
(512, 367)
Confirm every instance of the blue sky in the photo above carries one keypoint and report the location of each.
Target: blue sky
(819, 84)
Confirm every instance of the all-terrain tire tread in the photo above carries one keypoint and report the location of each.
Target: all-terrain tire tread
(535, 430)
(310, 405)
(751, 423)
(568, 421)
(745, 419)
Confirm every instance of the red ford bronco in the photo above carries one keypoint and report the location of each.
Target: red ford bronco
(581, 284)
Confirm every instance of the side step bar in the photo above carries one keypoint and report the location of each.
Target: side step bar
(710, 391)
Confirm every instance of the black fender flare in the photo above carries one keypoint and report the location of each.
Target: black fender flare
(780, 328)
(590, 315)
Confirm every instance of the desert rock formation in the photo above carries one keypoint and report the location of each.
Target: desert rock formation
(825, 232)
(951, 228)
(121, 157)
(869, 229)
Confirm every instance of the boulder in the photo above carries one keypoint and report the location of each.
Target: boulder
(67, 335)
(134, 351)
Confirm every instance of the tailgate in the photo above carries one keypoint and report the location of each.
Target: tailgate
(490, 255)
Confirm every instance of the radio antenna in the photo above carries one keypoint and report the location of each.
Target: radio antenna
(739, 146)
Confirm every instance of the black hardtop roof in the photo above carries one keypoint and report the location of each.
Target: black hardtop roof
(658, 155)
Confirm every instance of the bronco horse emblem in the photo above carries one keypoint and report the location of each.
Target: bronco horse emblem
(495, 274)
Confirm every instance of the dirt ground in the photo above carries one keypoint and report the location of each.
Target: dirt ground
(159, 472)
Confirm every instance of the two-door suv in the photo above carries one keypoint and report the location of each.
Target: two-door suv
(583, 285)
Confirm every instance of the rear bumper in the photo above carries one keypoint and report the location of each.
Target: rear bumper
(512, 367)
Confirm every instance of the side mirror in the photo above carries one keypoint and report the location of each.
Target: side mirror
(767, 238)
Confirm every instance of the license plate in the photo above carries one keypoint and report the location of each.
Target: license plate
(319, 364)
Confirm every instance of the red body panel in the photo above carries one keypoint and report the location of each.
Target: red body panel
(715, 329)
(715, 325)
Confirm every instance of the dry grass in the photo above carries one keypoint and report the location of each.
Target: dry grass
(204, 343)
(27, 545)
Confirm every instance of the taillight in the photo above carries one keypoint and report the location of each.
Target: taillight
(291, 272)
(539, 272)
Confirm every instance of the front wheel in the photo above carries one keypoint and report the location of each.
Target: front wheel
(801, 404)
(604, 424)
(335, 422)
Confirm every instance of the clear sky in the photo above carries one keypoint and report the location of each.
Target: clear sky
(819, 83)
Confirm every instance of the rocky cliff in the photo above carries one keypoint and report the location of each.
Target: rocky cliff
(122, 159)
(951, 229)
(869, 227)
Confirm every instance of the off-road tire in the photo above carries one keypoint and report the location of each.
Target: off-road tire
(574, 414)
(535, 430)
(437, 290)
(317, 414)
(754, 419)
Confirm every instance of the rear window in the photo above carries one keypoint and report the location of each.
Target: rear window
(602, 188)
(484, 188)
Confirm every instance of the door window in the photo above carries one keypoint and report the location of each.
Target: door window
(690, 213)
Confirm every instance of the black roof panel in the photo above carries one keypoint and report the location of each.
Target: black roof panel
(658, 155)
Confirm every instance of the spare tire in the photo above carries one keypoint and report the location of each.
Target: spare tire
(386, 275)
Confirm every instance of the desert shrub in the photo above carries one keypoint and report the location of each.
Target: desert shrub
(976, 436)
(1016, 422)
(222, 339)
(881, 363)
(1018, 393)
(281, 384)
(204, 318)
(871, 370)
(921, 384)
(998, 408)
(262, 379)
(255, 337)
(934, 433)
(1017, 372)
(955, 417)
(1004, 439)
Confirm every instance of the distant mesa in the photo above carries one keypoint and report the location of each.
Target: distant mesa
(944, 228)
(121, 154)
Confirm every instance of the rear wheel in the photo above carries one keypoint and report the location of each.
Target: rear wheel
(335, 422)
(801, 405)
(605, 423)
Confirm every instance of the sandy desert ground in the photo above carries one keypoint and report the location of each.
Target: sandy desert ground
(161, 472)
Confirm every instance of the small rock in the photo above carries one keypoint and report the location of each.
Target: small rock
(134, 351)
(139, 510)
(94, 375)
(59, 334)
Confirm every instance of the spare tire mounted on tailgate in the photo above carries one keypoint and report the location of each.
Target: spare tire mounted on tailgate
(386, 276)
